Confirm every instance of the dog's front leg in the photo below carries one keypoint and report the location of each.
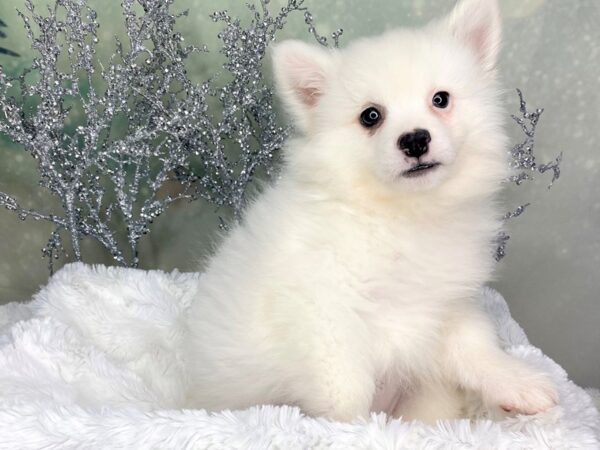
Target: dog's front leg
(338, 392)
(475, 360)
(336, 377)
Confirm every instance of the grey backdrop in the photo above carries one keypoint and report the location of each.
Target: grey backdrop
(550, 277)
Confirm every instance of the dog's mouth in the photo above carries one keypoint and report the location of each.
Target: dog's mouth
(420, 169)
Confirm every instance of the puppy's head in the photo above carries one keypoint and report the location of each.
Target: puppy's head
(410, 111)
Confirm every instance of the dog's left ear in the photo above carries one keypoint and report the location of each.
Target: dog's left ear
(478, 24)
(301, 76)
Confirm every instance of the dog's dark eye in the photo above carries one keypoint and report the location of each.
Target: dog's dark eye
(370, 117)
(441, 99)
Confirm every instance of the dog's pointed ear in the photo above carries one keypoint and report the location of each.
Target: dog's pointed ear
(478, 24)
(301, 75)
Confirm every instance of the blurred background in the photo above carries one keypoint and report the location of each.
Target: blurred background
(550, 276)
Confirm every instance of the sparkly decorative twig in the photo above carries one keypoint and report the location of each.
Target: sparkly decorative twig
(523, 158)
(523, 162)
(335, 36)
(109, 179)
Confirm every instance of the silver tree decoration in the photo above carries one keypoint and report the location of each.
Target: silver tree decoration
(522, 154)
(107, 181)
(523, 163)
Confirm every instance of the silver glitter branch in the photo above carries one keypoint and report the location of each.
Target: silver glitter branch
(523, 163)
(523, 158)
(113, 183)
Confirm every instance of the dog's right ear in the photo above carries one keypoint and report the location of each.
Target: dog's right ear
(477, 23)
(301, 75)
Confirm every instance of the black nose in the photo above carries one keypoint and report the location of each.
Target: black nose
(415, 144)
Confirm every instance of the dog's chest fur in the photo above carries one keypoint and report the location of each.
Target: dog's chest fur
(407, 273)
(410, 278)
(402, 275)
(397, 262)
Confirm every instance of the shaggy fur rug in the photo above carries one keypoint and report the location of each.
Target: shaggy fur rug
(93, 362)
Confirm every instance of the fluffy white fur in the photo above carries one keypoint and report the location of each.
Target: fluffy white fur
(350, 287)
(95, 361)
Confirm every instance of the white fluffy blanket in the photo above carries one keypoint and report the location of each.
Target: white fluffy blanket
(93, 362)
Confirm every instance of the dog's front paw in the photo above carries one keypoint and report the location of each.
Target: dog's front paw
(527, 392)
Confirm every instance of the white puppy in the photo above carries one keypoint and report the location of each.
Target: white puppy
(351, 284)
